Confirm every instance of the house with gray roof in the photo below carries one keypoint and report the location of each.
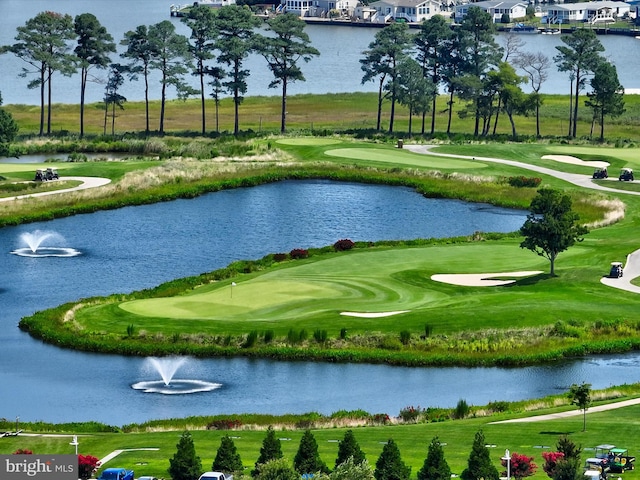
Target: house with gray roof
(495, 8)
(413, 11)
(593, 12)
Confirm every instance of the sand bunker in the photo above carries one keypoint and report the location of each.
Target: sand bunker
(576, 161)
(372, 314)
(481, 279)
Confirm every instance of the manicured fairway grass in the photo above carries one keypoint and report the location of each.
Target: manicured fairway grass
(403, 157)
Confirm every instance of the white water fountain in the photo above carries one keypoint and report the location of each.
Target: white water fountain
(44, 244)
(167, 367)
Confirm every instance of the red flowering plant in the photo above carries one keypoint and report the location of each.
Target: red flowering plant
(550, 461)
(87, 466)
(23, 451)
(521, 466)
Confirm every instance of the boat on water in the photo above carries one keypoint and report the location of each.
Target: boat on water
(522, 28)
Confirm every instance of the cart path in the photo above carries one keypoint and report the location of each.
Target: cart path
(574, 178)
(573, 413)
(631, 269)
(87, 182)
(115, 453)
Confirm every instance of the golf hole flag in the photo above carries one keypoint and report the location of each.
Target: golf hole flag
(38, 467)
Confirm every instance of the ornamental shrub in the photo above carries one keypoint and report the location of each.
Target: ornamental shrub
(520, 466)
(224, 424)
(344, 244)
(524, 182)
(280, 257)
(298, 253)
(410, 414)
(227, 457)
(87, 466)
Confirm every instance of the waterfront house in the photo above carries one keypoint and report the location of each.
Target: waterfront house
(413, 11)
(496, 8)
(319, 8)
(592, 12)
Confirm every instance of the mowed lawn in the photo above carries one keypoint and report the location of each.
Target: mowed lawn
(313, 293)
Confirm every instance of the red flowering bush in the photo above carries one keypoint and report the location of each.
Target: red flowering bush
(87, 466)
(550, 462)
(380, 419)
(23, 451)
(521, 466)
(344, 244)
(410, 414)
(224, 424)
(297, 253)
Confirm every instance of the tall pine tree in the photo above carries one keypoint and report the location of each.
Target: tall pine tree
(435, 466)
(390, 465)
(271, 449)
(307, 459)
(185, 464)
(227, 458)
(479, 464)
(349, 448)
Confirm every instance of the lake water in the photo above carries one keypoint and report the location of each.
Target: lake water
(139, 247)
(337, 69)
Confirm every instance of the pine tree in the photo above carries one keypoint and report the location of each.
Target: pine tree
(435, 466)
(271, 449)
(390, 465)
(479, 464)
(227, 458)
(307, 459)
(349, 448)
(185, 464)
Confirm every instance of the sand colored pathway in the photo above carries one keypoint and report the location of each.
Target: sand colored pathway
(87, 182)
(573, 413)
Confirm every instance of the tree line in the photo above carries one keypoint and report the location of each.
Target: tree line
(468, 64)
(51, 43)
(465, 62)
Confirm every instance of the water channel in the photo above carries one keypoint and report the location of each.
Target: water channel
(337, 69)
(138, 247)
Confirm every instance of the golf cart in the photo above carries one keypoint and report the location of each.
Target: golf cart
(52, 174)
(616, 270)
(40, 177)
(617, 459)
(626, 174)
(600, 173)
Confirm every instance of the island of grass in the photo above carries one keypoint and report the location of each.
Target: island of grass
(337, 306)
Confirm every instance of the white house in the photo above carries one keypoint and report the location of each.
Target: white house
(495, 8)
(319, 8)
(593, 12)
(414, 11)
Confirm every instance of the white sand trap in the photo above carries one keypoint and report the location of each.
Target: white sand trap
(372, 314)
(576, 161)
(481, 279)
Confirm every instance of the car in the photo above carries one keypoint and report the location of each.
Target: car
(600, 173)
(215, 476)
(616, 270)
(626, 174)
(116, 474)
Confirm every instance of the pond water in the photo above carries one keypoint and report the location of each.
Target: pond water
(138, 247)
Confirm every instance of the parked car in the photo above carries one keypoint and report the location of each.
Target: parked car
(626, 174)
(116, 474)
(600, 173)
(616, 270)
(215, 476)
